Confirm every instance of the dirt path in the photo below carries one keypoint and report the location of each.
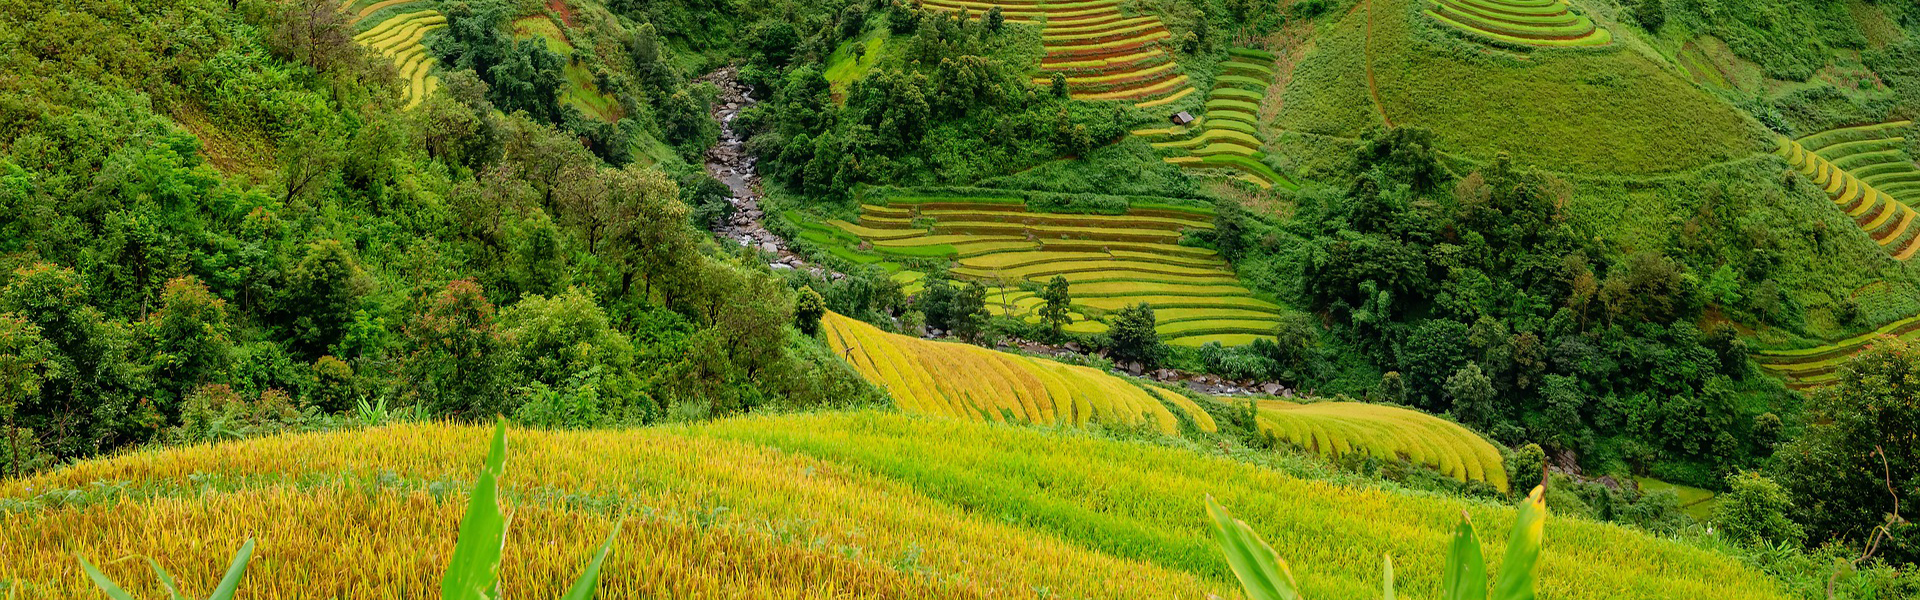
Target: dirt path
(1372, 88)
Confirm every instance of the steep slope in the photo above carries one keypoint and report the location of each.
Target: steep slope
(850, 505)
(1610, 111)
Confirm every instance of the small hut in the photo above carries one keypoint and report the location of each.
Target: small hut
(1182, 118)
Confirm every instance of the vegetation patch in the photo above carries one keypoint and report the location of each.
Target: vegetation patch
(398, 39)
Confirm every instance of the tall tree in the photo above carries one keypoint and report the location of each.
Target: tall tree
(1135, 337)
(1057, 297)
(1858, 457)
(323, 291)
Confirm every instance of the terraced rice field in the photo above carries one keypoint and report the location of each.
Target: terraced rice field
(1813, 367)
(1386, 432)
(398, 39)
(969, 382)
(974, 383)
(1228, 134)
(815, 506)
(1524, 22)
(1111, 261)
(1104, 53)
(1865, 172)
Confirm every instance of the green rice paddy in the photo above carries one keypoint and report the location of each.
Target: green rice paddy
(1111, 260)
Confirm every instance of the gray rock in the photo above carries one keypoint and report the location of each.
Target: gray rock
(770, 247)
(780, 266)
(1271, 389)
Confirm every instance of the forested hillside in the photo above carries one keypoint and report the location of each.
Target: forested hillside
(1005, 273)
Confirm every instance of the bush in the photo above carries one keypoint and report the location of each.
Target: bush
(1755, 511)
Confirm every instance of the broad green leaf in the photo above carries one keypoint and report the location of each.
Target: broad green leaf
(1261, 572)
(231, 583)
(1520, 572)
(1466, 574)
(1386, 573)
(100, 580)
(473, 572)
(589, 582)
(166, 580)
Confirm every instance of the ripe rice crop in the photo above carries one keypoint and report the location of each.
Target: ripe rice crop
(1141, 502)
(1118, 259)
(1105, 54)
(705, 518)
(1386, 432)
(398, 39)
(990, 385)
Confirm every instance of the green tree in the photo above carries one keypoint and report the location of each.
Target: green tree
(26, 362)
(551, 339)
(1757, 510)
(1057, 297)
(1858, 443)
(995, 20)
(323, 291)
(967, 315)
(1473, 396)
(1059, 85)
(529, 80)
(1134, 336)
(808, 308)
(454, 367)
(95, 403)
(1650, 13)
(188, 339)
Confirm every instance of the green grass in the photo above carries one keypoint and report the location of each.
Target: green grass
(1598, 112)
(843, 67)
(1698, 503)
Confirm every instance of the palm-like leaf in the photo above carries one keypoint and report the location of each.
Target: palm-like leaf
(473, 573)
(1520, 572)
(585, 587)
(1261, 571)
(1466, 574)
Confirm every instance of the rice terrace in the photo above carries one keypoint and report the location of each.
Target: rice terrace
(960, 299)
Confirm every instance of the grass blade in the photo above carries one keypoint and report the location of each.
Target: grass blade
(101, 581)
(166, 580)
(1386, 576)
(473, 572)
(1261, 572)
(1465, 577)
(589, 582)
(1520, 571)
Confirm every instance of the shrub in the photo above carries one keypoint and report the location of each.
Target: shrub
(1755, 511)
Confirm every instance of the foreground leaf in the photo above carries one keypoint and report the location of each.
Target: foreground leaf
(1261, 571)
(235, 571)
(589, 582)
(1520, 572)
(101, 581)
(1465, 577)
(474, 571)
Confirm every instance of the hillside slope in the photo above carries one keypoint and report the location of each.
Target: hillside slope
(1589, 111)
(860, 505)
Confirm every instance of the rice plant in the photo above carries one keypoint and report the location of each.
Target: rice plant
(1265, 576)
(472, 574)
